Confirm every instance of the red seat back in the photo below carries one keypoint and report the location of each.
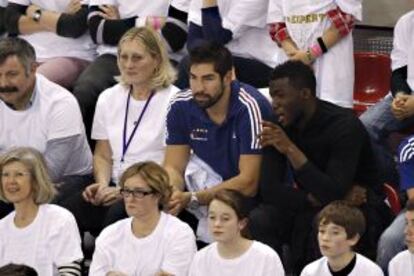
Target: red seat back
(393, 198)
(372, 79)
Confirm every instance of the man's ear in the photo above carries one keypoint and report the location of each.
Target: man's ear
(228, 77)
(233, 74)
(306, 93)
(31, 71)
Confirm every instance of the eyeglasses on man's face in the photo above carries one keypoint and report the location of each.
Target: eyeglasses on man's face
(135, 193)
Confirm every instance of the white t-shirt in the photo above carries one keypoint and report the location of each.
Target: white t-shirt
(51, 240)
(170, 248)
(402, 53)
(246, 19)
(258, 260)
(200, 176)
(54, 114)
(402, 264)
(306, 21)
(128, 8)
(148, 142)
(363, 266)
(182, 5)
(51, 45)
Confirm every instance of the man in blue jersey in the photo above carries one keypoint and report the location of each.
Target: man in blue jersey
(212, 134)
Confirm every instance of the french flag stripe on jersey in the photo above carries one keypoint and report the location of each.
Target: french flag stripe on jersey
(255, 116)
(407, 150)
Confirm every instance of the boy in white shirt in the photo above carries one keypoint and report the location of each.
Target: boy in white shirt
(340, 227)
(403, 263)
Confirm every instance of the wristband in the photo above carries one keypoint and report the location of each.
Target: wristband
(194, 202)
(156, 22)
(322, 45)
(316, 50)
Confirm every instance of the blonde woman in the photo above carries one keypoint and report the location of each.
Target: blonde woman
(129, 124)
(150, 242)
(38, 234)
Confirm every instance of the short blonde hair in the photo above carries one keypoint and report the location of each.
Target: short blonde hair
(164, 74)
(43, 190)
(154, 175)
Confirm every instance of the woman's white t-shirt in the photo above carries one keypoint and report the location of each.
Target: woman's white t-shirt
(169, 248)
(50, 241)
(246, 19)
(306, 21)
(49, 44)
(148, 143)
(131, 8)
(258, 260)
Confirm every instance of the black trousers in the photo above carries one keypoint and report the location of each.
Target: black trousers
(281, 229)
(91, 218)
(70, 186)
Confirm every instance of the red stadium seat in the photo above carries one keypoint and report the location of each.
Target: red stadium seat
(372, 79)
(393, 198)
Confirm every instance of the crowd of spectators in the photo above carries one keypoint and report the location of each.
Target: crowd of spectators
(141, 123)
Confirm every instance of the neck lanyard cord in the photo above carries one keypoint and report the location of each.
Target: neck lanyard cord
(125, 142)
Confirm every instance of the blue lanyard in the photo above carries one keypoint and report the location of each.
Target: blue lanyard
(125, 143)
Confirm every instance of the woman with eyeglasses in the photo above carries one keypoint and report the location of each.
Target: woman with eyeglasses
(233, 253)
(150, 242)
(37, 234)
(129, 125)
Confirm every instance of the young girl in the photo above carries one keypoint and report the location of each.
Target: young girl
(233, 253)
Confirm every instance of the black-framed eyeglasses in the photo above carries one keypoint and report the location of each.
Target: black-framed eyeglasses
(136, 193)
